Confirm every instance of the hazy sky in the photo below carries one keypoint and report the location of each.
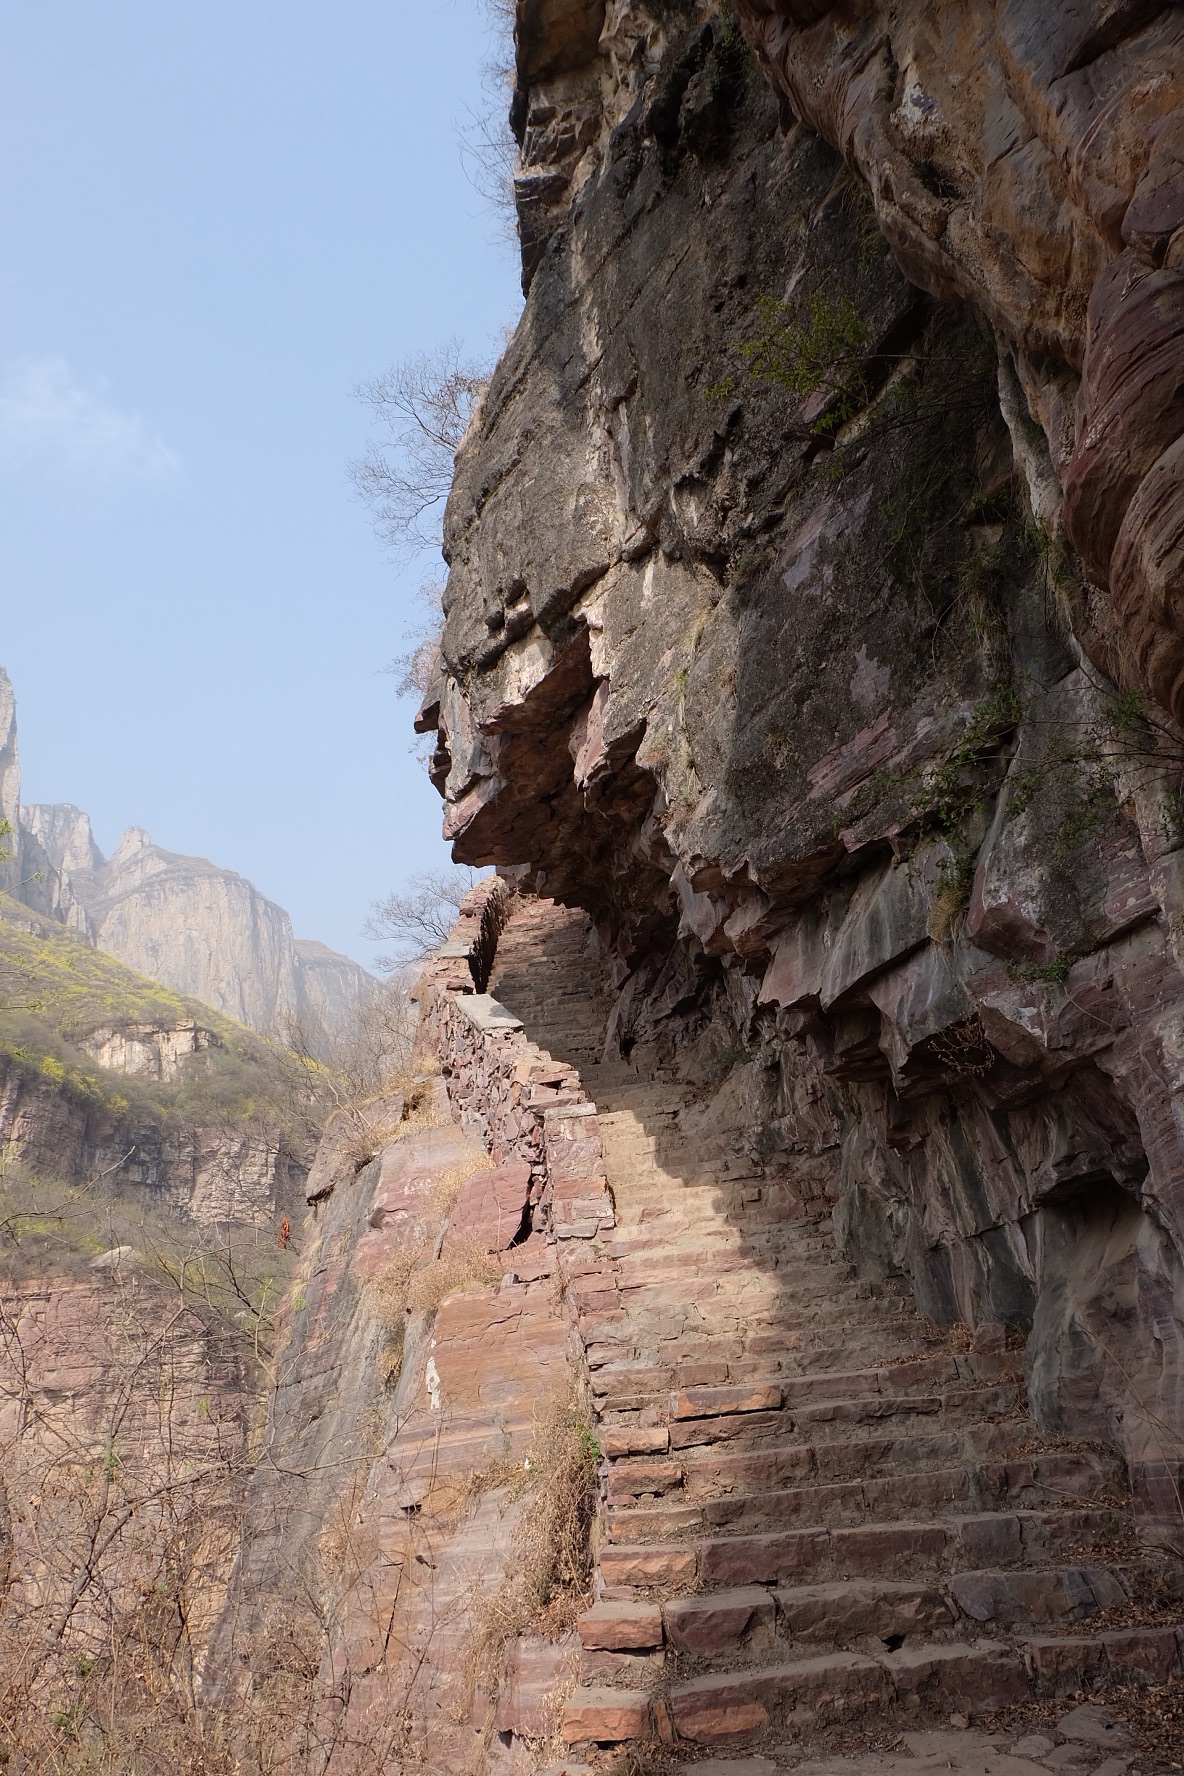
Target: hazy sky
(215, 220)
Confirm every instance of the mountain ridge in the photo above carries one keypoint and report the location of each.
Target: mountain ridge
(197, 928)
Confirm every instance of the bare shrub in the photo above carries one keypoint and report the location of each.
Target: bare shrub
(421, 409)
(489, 153)
(414, 669)
(418, 919)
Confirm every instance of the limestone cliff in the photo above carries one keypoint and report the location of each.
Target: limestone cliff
(766, 645)
(106, 1076)
(203, 931)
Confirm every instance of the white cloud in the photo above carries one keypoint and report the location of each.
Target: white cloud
(45, 412)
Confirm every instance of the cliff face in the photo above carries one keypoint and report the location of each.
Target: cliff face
(765, 643)
(203, 931)
(1031, 162)
(108, 1078)
(209, 933)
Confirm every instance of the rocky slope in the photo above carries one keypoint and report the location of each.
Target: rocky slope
(766, 645)
(203, 931)
(106, 1075)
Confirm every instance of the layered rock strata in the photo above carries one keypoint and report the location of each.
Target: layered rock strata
(1030, 161)
(764, 644)
(396, 1483)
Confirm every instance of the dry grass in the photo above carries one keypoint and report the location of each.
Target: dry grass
(464, 1266)
(388, 1288)
(447, 1186)
(413, 1281)
(550, 1569)
(390, 1357)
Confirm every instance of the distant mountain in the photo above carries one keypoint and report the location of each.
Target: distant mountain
(201, 930)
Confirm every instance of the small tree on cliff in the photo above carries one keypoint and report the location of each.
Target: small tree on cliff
(420, 917)
(422, 408)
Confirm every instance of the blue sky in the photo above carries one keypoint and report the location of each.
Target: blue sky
(215, 221)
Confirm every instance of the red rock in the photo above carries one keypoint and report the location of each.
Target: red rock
(885, 1549)
(1061, 1666)
(617, 1440)
(536, 1670)
(707, 1402)
(608, 1717)
(735, 1705)
(628, 1480)
(621, 1626)
(489, 1207)
(691, 1432)
(985, 1675)
(716, 1623)
(747, 1560)
(851, 1608)
(1143, 1655)
(647, 1566)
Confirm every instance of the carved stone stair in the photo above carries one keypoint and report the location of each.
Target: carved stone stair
(809, 1513)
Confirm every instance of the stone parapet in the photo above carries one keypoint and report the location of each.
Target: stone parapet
(529, 1108)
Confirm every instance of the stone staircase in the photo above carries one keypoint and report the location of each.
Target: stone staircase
(814, 1509)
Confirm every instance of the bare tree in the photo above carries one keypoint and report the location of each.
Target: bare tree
(422, 409)
(412, 670)
(420, 917)
(488, 151)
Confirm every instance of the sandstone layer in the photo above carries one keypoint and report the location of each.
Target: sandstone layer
(765, 643)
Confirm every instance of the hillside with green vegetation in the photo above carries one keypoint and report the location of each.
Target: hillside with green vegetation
(60, 998)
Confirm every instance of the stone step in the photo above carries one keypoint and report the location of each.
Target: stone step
(1035, 1480)
(708, 1243)
(1032, 1482)
(712, 1473)
(900, 1549)
(761, 1702)
(815, 1692)
(648, 1385)
(739, 1707)
(646, 1287)
(686, 1354)
(602, 1314)
(808, 1422)
(863, 1614)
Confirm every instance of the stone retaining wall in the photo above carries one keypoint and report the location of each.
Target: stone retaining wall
(526, 1106)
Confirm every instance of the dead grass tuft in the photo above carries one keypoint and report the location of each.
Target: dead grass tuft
(388, 1288)
(464, 1266)
(447, 1186)
(551, 1564)
(390, 1357)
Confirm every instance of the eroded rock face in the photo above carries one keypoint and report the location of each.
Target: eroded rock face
(216, 1174)
(776, 672)
(1031, 161)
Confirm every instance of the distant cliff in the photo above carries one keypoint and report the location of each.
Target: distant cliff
(201, 930)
